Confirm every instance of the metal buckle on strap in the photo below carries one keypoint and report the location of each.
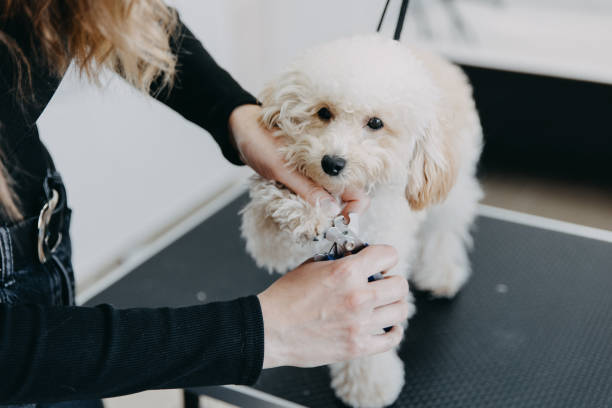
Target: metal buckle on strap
(44, 249)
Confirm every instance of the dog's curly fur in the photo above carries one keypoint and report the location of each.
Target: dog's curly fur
(418, 169)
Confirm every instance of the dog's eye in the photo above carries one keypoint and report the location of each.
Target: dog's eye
(324, 114)
(375, 123)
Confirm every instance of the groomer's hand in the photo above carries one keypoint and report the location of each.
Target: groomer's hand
(258, 149)
(325, 312)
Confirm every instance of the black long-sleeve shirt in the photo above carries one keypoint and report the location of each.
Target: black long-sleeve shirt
(70, 353)
(74, 353)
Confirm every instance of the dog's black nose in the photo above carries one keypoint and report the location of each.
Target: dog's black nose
(332, 165)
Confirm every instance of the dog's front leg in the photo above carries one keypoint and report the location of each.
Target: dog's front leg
(280, 227)
(369, 382)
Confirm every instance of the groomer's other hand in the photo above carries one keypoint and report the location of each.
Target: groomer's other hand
(258, 149)
(325, 312)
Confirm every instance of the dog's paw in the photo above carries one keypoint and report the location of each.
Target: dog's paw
(306, 223)
(442, 278)
(296, 217)
(370, 382)
(316, 222)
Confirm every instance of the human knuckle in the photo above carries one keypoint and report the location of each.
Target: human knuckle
(354, 345)
(405, 311)
(355, 301)
(403, 286)
(353, 331)
(398, 338)
(400, 286)
(392, 254)
(342, 270)
(375, 296)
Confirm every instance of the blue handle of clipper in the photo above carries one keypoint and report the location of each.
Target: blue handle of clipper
(372, 278)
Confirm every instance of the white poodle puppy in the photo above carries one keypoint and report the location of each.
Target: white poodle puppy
(401, 123)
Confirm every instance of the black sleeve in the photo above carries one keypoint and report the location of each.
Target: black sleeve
(74, 353)
(203, 92)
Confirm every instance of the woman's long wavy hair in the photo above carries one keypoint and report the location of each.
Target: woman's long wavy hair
(130, 37)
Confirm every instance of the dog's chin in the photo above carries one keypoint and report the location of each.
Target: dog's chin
(336, 185)
(333, 185)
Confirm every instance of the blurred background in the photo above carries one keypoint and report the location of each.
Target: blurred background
(541, 69)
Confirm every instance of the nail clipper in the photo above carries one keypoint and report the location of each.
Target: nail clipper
(344, 241)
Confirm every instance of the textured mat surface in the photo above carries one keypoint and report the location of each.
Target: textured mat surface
(532, 328)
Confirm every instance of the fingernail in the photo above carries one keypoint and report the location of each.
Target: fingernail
(330, 207)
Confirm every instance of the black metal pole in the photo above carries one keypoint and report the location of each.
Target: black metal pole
(400, 20)
(382, 17)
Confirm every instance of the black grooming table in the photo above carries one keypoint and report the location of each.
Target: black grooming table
(532, 328)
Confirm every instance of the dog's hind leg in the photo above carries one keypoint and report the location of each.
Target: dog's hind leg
(443, 265)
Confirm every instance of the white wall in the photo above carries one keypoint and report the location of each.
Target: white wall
(132, 165)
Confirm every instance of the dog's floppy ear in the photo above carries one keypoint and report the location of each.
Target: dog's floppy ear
(432, 169)
(284, 103)
(270, 112)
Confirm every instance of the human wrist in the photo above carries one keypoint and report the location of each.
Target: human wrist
(274, 356)
(238, 119)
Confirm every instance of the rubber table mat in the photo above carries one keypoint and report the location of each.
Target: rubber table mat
(532, 328)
